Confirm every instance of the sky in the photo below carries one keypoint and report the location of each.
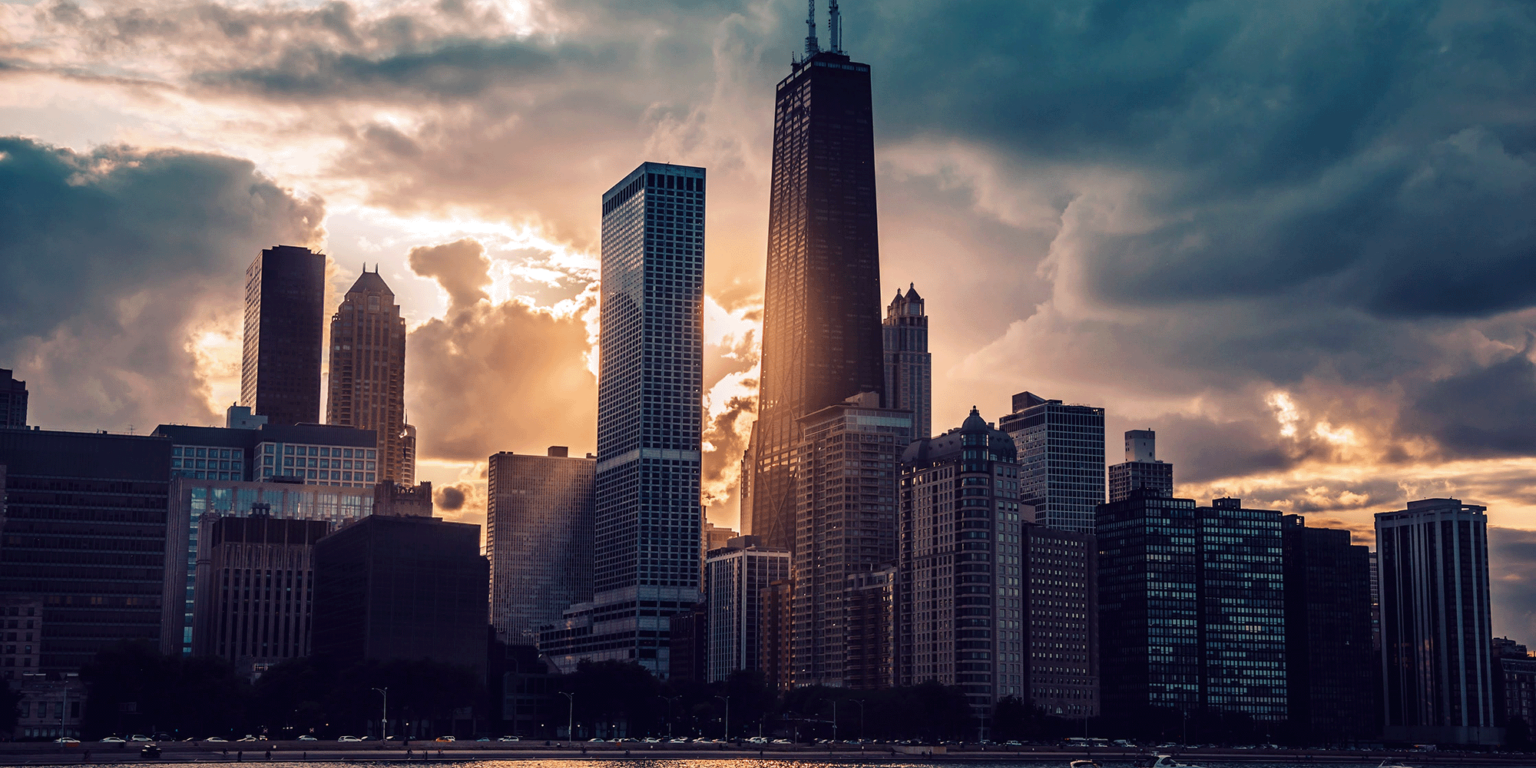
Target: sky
(1296, 239)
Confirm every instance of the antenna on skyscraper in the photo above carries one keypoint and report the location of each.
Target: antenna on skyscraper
(811, 46)
(835, 29)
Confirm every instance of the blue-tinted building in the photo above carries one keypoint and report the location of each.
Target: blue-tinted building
(1241, 580)
(319, 454)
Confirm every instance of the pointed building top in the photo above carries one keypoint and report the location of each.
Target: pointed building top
(370, 281)
(912, 292)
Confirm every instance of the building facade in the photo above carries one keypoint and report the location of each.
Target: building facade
(822, 338)
(735, 576)
(1141, 468)
(408, 455)
(1436, 632)
(13, 401)
(367, 370)
(649, 422)
(1514, 688)
(1330, 664)
(845, 524)
(960, 614)
(539, 538)
(21, 653)
(1060, 621)
(775, 648)
(908, 365)
(50, 706)
(308, 453)
(1061, 453)
(284, 324)
(1241, 583)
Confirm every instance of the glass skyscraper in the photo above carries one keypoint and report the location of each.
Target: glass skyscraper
(539, 537)
(284, 329)
(1061, 452)
(1242, 611)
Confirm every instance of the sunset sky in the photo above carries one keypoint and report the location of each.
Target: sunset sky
(1298, 239)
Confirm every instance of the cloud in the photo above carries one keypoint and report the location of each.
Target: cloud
(1512, 580)
(1479, 412)
(459, 267)
(451, 498)
(112, 264)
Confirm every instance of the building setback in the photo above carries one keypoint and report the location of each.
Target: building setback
(1141, 468)
(284, 323)
(1436, 633)
(735, 576)
(402, 588)
(1061, 620)
(539, 539)
(1330, 665)
(1061, 453)
(63, 489)
(13, 401)
(367, 376)
(908, 365)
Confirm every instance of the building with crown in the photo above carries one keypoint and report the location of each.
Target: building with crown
(908, 365)
(367, 375)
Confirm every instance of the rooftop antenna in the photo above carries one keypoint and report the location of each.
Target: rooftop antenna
(811, 46)
(835, 28)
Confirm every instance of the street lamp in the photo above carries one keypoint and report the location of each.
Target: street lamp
(727, 700)
(669, 700)
(384, 721)
(834, 721)
(860, 702)
(570, 727)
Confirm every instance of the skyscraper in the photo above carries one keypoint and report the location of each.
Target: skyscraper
(908, 365)
(821, 320)
(1141, 468)
(735, 577)
(649, 421)
(1061, 621)
(408, 455)
(13, 401)
(284, 327)
(1061, 450)
(1241, 588)
(367, 379)
(539, 538)
(1330, 676)
(1436, 633)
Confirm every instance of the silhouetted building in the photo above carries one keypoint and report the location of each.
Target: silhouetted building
(1436, 632)
(734, 577)
(23, 623)
(405, 588)
(1329, 664)
(775, 646)
(649, 421)
(1141, 469)
(870, 637)
(845, 524)
(1061, 621)
(190, 499)
(1242, 611)
(255, 588)
(1375, 602)
(284, 325)
(908, 365)
(821, 318)
(399, 500)
(64, 491)
(1514, 687)
(13, 401)
(1061, 453)
(367, 377)
(960, 564)
(310, 453)
(525, 691)
(688, 661)
(539, 538)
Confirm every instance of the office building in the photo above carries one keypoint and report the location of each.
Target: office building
(284, 324)
(1375, 602)
(402, 588)
(13, 401)
(408, 455)
(308, 453)
(21, 653)
(241, 417)
(367, 370)
(1436, 633)
(960, 613)
(191, 499)
(66, 489)
(1060, 621)
(649, 421)
(1514, 687)
(845, 524)
(908, 365)
(539, 538)
(1141, 469)
(50, 706)
(734, 577)
(821, 318)
(1330, 665)
(688, 660)
(1061, 453)
(1241, 581)
(255, 588)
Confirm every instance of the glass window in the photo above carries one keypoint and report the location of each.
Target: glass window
(346, 453)
(314, 451)
(325, 452)
(202, 452)
(287, 450)
(371, 456)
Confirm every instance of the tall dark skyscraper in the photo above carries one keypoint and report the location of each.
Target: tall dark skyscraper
(821, 321)
(1330, 672)
(284, 326)
(13, 401)
(908, 365)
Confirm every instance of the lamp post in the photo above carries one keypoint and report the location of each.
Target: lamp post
(727, 700)
(570, 723)
(834, 721)
(384, 720)
(669, 700)
(860, 702)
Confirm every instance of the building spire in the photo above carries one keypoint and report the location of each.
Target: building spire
(811, 46)
(835, 28)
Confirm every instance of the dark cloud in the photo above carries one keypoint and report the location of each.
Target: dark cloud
(1480, 412)
(111, 260)
(451, 498)
(1512, 579)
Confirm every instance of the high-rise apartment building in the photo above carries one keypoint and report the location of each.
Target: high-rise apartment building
(1141, 469)
(539, 538)
(1061, 453)
(1060, 621)
(908, 365)
(871, 633)
(1436, 632)
(284, 327)
(13, 401)
(1330, 665)
(735, 576)
(821, 320)
(774, 646)
(649, 422)
(845, 524)
(1241, 581)
(961, 614)
(367, 374)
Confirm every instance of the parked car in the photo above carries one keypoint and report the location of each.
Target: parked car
(216, 740)
(307, 737)
(509, 738)
(350, 739)
(445, 738)
(140, 738)
(114, 740)
(66, 740)
(247, 737)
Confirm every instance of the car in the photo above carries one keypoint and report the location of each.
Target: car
(114, 740)
(483, 738)
(445, 739)
(247, 737)
(350, 740)
(216, 740)
(782, 741)
(651, 740)
(307, 737)
(757, 740)
(595, 741)
(66, 740)
(140, 738)
(509, 738)
(150, 752)
(679, 740)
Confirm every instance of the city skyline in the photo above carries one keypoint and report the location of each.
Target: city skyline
(1391, 390)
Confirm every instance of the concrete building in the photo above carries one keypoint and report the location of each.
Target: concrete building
(1330, 664)
(1061, 453)
(50, 706)
(21, 653)
(13, 401)
(399, 500)
(845, 524)
(1436, 631)
(908, 365)
(1060, 621)
(1141, 468)
(539, 538)
(734, 577)
(284, 325)
(960, 614)
(367, 370)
